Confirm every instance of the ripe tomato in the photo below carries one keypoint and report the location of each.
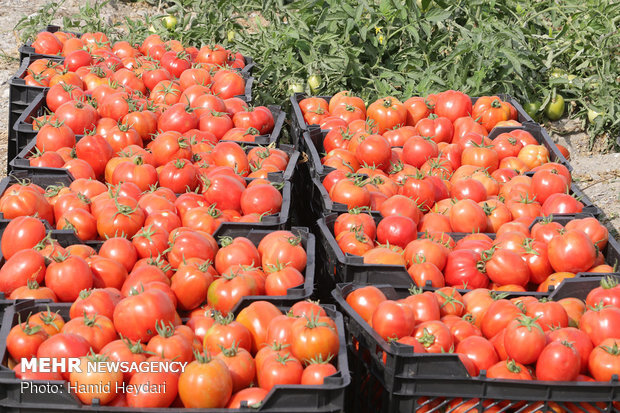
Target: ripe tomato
(479, 350)
(434, 335)
(604, 361)
(524, 340)
(600, 323)
(280, 370)
(559, 361)
(453, 105)
(497, 316)
(510, 370)
(256, 317)
(67, 276)
(314, 338)
(578, 338)
(571, 251)
(24, 339)
(136, 316)
(393, 320)
(21, 233)
(387, 113)
(461, 270)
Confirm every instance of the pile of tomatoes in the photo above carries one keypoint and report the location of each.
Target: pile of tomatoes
(520, 338)
(377, 165)
(96, 211)
(516, 259)
(186, 264)
(229, 359)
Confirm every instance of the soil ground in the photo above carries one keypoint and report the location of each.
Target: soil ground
(597, 174)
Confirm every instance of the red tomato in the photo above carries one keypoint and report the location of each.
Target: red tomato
(479, 350)
(524, 340)
(559, 361)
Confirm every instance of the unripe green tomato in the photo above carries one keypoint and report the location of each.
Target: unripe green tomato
(170, 22)
(592, 114)
(314, 81)
(295, 88)
(231, 35)
(556, 73)
(532, 108)
(555, 108)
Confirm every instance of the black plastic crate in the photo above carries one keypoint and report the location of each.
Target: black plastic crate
(67, 237)
(280, 220)
(406, 376)
(367, 395)
(298, 124)
(21, 161)
(351, 268)
(20, 96)
(328, 397)
(311, 142)
(55, 177)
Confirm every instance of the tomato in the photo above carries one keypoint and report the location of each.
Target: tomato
(461, 270)
(600, 323)
(142, 396)
(507, 267)
(555, 108)
(98, 330)
(253, 396)
(32, 290)
(604, 361)
(123, 216)
(228, 84)
(387, 113)
(78, 116)
(549, 314)
(418, 150)
(510, 370)
(314, 338)
(468, 189)
(593, 229)
(67, 276)
(479, 350)
(490, 110)
(434, 336)
(396, 230)
(226, 332)
(170, 344)
(21, 233)
(256, 318)
(365, 301)
(497, 316)
(136, 316)
(63, 346)
(120, 249)
(100, 384)
(561, 204)
(578, 338)
(571, 251)
(124, 350)
(559, 361)
(280, 370)
(393, 320)
(453, 105)
(316, 372)
(467, 216)
(424, 305)
(190, 284)
(24, 340)
(47, 43)
(95, 302)
(524, 340)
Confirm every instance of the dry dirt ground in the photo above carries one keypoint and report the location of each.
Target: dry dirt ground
(597, 174)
